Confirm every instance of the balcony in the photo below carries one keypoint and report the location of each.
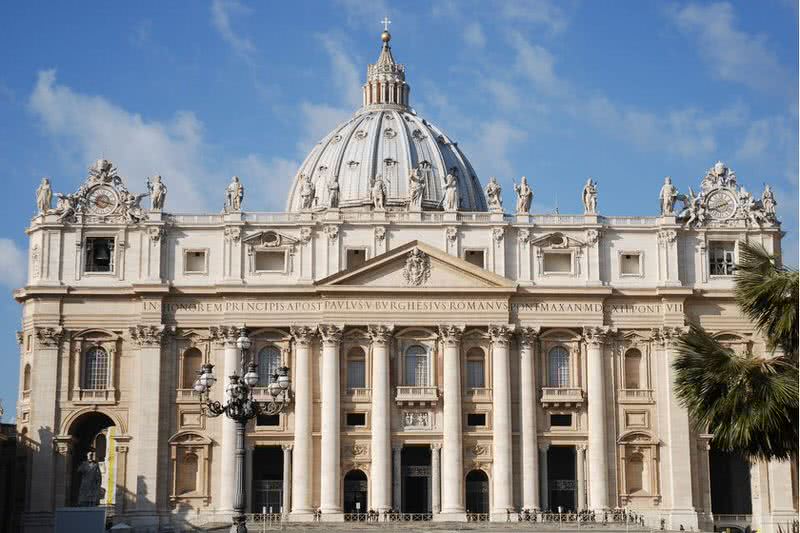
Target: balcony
(479, 395)
(94, 396)
(261, 394)
(636, 396)
(187, 396)
(562, 396)
(358, 395)
(412, 395)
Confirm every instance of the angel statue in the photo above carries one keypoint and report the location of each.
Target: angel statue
(524, 196)
(133, 210)
(667, 196)
(158, 192)
(416, 189)
(493, 191)
(378, 192)
(66, 206)
(451, 191)
(44, 197)
(590, 197)
(234, 195)
(768, 202)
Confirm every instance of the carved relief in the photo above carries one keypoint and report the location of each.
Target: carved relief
(155, 233)
(666, 236)
(498, 233)
(592, 236)
(416, 420)
(35, 261)
(380, 233)
(49, 337)
(452, 233)
(417, 269)
(233, 233)
(332, 231)
(523, 235)
(147, 335)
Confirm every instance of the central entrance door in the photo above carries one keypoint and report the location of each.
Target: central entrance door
(561, 474)
(416, 468)
(267, 479)
(355, 492)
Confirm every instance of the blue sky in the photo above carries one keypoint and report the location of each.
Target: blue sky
(626, 92)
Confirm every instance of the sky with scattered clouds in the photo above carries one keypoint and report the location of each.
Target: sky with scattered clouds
(626, 92)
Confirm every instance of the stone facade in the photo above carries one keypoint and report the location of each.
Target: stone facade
(479, 351)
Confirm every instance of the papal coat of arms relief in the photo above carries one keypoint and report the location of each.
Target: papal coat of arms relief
(418, 268)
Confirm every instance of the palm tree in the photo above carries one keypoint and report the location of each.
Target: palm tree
(748, 401)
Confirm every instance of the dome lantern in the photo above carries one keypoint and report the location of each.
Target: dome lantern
(386, 80)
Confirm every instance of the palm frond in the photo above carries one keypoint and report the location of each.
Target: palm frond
(749, 403)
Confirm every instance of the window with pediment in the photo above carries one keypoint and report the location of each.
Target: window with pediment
(416, 366)
(190, 454)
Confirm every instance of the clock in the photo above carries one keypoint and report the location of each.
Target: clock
(721, 204)
(102, 200)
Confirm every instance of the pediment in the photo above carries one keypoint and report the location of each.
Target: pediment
(269, 239)
(415, 265)
(557, 240)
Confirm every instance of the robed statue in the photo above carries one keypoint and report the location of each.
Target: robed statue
(234, 195)
(493, 198)
(378, 192)
(590, 197)
(158, 192)
(307, 192)
(90, 475)
(451, 191)
(524, 196)
(667, 196)
(416, 189)
(44, 197)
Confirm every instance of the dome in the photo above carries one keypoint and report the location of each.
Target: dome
(387, 139)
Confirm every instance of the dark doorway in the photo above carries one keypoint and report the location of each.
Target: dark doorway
(561, 477)
(267, 479)
(89, 431)
(730, 483)
(355, 492)
(416, 468)
(477, 492)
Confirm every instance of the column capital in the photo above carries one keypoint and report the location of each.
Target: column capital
(450, 333)
(147, 336)
(500, 333)
(397, 447)
(597, 335)
(543, 447)
(225, 335)
(668, 335)
(287, 447)
(436, 446)
(50, 337)
(581, 447)
(380, 333)
(330, 333)
(528, 335)
(64, 444)
(303, 335)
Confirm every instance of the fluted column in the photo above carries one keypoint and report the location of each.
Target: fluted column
(303, 445)
(528, 337)
(330, 497)
(287, 478)
(544, 492)
(381, 469)
(227, 335)
(452, 453)
(397, 488)
(596, 410)
(502, 476)
(580, 461)
(436, 479)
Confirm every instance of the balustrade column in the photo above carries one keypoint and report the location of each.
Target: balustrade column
(528, 435)
(502, 477)
(452, 453)
(580, 462)
(596, 410)
(330, 498)
(230, 365)
(381, 470)
(544, 494)
(287, 478)
(303, 445)
(436, 482)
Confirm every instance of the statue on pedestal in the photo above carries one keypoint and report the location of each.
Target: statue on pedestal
(493, 191)
(524, 196)
(769, 203)
(158, 192)
(667, 196)
(378, 192)
(333, 193)
(44, 197)
(234, 195)
(451, 191)
(590, 197)
(416, 190)
(89, 491)
(307, 192)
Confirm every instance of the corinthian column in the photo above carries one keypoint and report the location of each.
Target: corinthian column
(381, 451)
(301, 465)
(331, 455)
(595, 338)
(452, 458)
(528, 434)
(227, 335)
(502, 479)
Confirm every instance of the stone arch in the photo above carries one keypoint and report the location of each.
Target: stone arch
(275, 334)
(95, 332)
(560, 334)
(71, 419)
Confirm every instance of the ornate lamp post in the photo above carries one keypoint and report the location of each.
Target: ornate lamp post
(240, 406)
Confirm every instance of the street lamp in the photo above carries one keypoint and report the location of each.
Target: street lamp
(240, 406)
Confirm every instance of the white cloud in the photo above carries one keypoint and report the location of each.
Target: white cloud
(13, 264)
(732, 54)
(344, 72)
(473, 35)
(490, 152)
(320, 119)
(361, 11)
(538, 65)
(268, 180)
(221, 13)
(542, 12)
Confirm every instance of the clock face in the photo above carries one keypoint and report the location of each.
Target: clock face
(721, 204)
(102, 200)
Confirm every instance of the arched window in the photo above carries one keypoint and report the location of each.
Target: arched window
(634, 473)
(356, 369)
(558, 365)
(95, 374)
(269, 359)
(476, 368)
(633, 366)
(416, 366)
(187, 473)
(26, 378)
(192, 360)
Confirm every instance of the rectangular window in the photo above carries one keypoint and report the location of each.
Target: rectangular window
(194, 261)
(630, 264)
(721, 260)
(356, 419)
(356, 257)
(268, 420)
(557, 263)
(99, 254)
(356, 374)
(476, 419)
(475, 374)
(416, 367)
(270, 261)
(560, 420)
(475, 257)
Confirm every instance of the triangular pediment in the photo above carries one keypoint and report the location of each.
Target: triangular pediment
(416, 265)
(557, 240)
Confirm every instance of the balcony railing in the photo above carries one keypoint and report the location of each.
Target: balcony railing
(557, 396)
(95, 396)
(479, 394)
(261, 394)
(359, 394)
(416, 395)
(187, 395)
(636, 395)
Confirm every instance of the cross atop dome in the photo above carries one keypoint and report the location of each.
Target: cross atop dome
(386, 80)
(386, 23)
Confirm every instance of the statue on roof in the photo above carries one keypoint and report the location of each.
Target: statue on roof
(44, 197)
(668, 195)
(524, 196)
(234, 195)
(493, 198)
(157, 191)
(451, 190)
(377, 193)
(416, 189)
(307, 192)
(768, 203)
(333, 192)
(590, 197)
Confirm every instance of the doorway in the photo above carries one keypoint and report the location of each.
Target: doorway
(730, 483)
(355, 492)
(561, 475)
(416, 470)
(267, 479)
(477, 492)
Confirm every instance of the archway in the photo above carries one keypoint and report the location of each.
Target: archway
(90, 432)
(730, 483)
(477, 492)
(355, 492)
